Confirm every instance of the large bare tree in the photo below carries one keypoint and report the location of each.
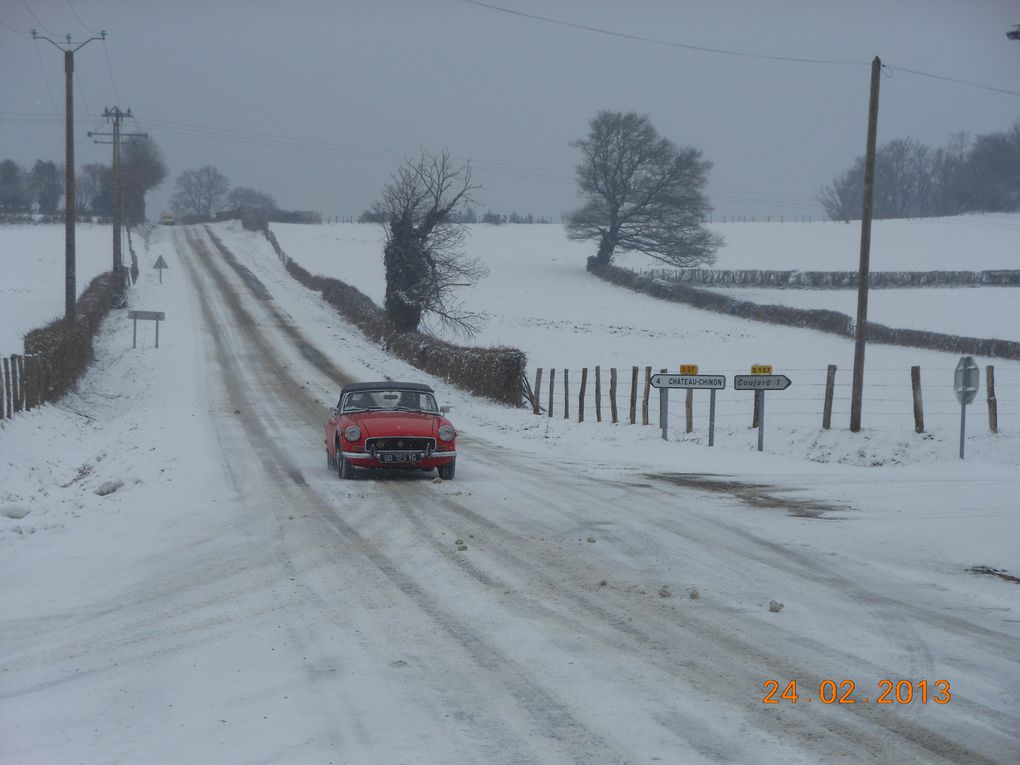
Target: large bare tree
(200, 192)
(642, 193)
(142, 169)
(423, 255)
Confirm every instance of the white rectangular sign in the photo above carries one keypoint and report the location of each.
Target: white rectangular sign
(700, 382)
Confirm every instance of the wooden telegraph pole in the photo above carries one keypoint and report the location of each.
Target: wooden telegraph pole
(69, 48)
(861, 330)
(116, 117)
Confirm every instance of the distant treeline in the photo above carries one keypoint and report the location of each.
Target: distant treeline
(980, 174)
(468, 215)
(41, 189)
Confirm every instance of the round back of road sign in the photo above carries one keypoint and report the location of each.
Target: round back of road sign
(966, 379)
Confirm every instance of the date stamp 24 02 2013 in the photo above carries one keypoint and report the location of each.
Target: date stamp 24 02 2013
(845, 692)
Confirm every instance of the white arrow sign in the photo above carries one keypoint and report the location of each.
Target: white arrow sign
(700, 382)
(761, 382)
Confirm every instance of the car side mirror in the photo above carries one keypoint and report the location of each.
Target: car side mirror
(335, 411)
(444, 409)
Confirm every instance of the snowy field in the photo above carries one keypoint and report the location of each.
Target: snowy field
(189, 583)
(538, 297)
(32, 259)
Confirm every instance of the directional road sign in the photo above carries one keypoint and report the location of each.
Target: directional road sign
(761, 382)
(699, 382)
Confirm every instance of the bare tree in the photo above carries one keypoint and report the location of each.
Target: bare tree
(250, 201)
(200, 192)
(93, 189)
(423, 257)
(843, 198)
(642, 193)
(142, 169)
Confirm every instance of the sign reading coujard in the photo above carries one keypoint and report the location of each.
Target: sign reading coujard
(761, 382)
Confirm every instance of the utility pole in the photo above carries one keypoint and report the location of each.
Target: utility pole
(863, 276)
(70, 292)
(116, 117)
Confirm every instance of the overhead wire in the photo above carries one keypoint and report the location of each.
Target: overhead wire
(84, 26)
(737, 53)
(12, 29)
(109, 68)
(46, 78)
(37, 21)
(668, 43)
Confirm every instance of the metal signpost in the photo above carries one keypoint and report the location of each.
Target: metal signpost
(160, 264)
(760, 380)
(711, 383)
(156, 316)
(965, 385)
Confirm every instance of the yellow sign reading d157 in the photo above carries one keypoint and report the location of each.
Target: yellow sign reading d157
(761, 369)
(688, 369)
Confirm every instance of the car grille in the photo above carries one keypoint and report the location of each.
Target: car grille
(426, 445)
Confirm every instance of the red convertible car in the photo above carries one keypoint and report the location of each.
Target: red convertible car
(390, 425)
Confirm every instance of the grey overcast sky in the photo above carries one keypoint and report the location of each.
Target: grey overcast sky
(316, 102)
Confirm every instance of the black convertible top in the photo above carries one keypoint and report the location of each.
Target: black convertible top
(385, 385)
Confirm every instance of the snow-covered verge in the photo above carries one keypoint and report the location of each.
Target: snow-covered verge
(32, 257)
(538, 297)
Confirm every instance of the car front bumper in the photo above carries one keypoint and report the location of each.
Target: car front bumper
(399, 459)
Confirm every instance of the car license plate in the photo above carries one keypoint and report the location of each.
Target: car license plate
(409, 457)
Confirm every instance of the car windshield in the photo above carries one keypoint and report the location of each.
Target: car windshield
(389, 399)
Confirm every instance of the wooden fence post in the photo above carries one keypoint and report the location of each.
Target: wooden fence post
(993, 407)
(552, 382)
(538, 391)
(612, 394)
(633, 395)
(16, 379)
(28, 377)
(915, 384)
(566, 394)
(644, 399)
(830, 388)
(580, 396)
(754, 415)
(8, 404)
(598, 394)
(689, 405)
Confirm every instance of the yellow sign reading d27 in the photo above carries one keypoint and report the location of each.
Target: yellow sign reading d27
(761, 369)
(688, 369)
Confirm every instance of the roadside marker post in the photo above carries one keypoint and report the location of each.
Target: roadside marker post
(689, 379)
(966, 380)
(156, 316)
(760, 380)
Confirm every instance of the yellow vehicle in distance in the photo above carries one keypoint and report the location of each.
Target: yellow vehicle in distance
(167, 219)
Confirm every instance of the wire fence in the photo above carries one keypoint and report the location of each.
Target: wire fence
(888, 401)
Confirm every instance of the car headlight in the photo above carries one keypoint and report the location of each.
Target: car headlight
(446, 433)
(353, 433)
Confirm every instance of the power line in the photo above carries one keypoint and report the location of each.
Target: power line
(668, 43)
(726, 52)
(109, 68)
(79, 18)
(953, 80)
(37, 21)
(16, 31)
(46, 79)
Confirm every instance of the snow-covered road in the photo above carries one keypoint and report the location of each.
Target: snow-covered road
(538, 609)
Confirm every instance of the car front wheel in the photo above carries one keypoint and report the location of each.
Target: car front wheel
(447, 471)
